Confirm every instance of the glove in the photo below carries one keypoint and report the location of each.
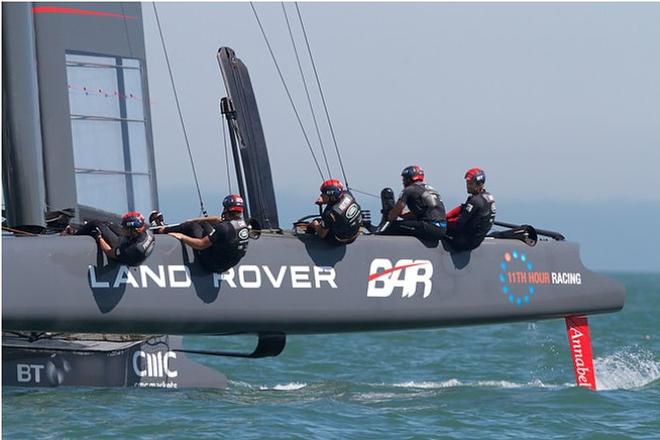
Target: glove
(96, 233)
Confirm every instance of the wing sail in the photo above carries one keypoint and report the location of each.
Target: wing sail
(250, 137)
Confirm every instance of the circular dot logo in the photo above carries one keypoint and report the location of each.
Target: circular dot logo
(515, 291)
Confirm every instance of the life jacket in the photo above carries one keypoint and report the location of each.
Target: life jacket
(241, 236)
(229, 244)
(234, 237)
(425, 202)
(482, 220)
(346, 218)
(135, 251)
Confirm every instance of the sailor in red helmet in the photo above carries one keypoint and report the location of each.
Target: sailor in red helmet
(131, 243)
(222, 241)
(425, 218)
(341, 219)
(469, 223)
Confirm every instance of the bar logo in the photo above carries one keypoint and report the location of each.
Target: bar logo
(407, 276)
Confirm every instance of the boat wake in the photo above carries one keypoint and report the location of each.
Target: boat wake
(293, 386)
(453, 383)
(628, 369)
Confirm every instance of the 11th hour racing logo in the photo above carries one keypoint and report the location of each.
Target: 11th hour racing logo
(520, 280)
(408, 276)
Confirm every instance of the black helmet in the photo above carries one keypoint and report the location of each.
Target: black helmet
(413, 173)
(233, 203)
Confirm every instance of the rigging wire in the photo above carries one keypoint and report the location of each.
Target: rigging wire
(325, 107)
(224, 138)
(309, 99)
(365, 193)
(178, 106)
(295, 110)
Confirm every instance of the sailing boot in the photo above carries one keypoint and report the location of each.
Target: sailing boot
(156, 219)
(387, 203)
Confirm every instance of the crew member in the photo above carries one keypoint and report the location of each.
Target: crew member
(129, 243)
(341, 219)
(425, 218)
(221, 242)
(469, 223)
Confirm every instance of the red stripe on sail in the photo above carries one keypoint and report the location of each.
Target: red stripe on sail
(73, 11)
(579, 342)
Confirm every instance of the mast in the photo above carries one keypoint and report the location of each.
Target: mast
(22, 157)
(227, 109)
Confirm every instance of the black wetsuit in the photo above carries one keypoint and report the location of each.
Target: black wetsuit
(476, 217)
(229, 240)
(131, 250)
(342, 219)
(425, 203)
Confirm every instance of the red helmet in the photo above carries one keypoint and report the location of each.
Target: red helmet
(332, 188)
(233, 203)
(132, 220)
(413, 173)
(476, 175)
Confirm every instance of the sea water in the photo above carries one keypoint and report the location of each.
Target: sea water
(495, 382)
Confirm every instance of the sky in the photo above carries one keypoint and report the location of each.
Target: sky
(559, 103)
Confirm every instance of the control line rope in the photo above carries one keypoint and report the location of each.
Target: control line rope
(178, 107)
(286, 88)
(309, 99)
(325, 106)
(365, 193)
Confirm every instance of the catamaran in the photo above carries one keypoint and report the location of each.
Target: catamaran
(77, 144)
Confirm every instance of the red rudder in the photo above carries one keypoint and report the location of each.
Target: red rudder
(579, 342)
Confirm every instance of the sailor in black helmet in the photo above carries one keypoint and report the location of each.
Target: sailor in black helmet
(469, 223)
(131, 243)
(342, 216)
(221, 241)
(425, 218)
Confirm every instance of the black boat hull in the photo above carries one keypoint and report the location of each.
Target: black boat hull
(295, 284)
(153, 362)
